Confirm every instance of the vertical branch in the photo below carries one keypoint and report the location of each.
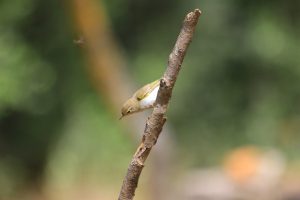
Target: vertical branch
(157, 119)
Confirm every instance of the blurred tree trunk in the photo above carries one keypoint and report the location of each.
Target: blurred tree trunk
(111, 80)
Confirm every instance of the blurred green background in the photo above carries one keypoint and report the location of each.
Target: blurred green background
(239, 85)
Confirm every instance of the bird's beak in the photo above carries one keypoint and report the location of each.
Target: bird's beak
(121, 117)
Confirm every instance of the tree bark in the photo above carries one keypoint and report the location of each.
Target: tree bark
(157, 119)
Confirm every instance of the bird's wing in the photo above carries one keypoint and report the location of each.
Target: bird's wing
(146, 90)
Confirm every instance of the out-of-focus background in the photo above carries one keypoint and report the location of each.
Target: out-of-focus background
(233, 129)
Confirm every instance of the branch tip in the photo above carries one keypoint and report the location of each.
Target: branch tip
(198, 11)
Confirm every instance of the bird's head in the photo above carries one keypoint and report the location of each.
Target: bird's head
(129, 107)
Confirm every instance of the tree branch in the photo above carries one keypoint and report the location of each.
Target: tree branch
(157, 119)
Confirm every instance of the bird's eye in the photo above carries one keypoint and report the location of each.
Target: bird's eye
(128, 111)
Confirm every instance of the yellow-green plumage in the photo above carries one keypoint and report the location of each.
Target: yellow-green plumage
(142, 99)
(146, 90)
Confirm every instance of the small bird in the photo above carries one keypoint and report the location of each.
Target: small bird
(142, 99)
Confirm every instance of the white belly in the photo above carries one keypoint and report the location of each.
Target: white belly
(149, 101)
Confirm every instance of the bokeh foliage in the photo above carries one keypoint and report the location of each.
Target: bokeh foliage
(239, 84)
